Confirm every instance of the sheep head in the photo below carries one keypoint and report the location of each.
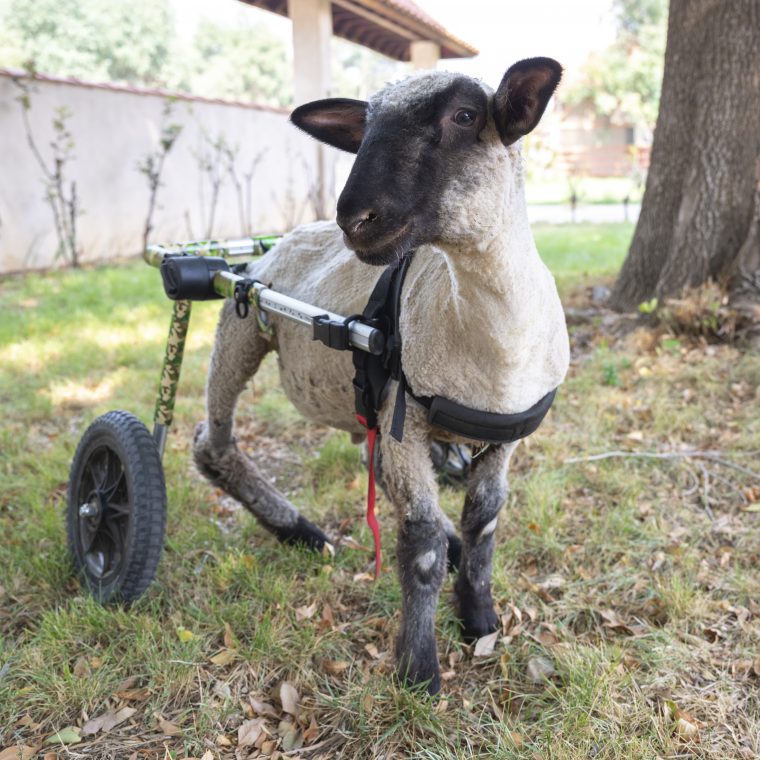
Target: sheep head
(433, 155)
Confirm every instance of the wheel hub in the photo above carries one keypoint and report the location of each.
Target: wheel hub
(91, 508)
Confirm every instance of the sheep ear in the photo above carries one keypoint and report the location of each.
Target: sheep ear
(519, 103)
(336, 121)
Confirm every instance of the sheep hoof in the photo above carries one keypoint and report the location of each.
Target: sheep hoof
(476, 613)
(423, 675)
(303, 533)
(478, 622)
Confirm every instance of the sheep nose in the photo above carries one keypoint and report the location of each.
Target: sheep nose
(353, 224)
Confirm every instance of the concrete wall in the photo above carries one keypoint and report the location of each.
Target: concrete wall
(113, 129)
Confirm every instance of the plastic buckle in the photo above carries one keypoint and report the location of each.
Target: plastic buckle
(242, 291)
(332, 333)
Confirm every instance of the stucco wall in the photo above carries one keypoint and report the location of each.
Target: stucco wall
(115, 128)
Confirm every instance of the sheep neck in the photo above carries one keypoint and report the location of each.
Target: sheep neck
(484, 313)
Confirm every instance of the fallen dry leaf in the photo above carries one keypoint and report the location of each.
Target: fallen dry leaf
(547, 638)
(18, 752)
(351, 543)
(291, 736)
(306, 612)
(288, 698)
(81, 667)
(485, 645)
(107, 721)
(335, 667)
(229, 638)
(28, 722)
(371, 650)
(539, 669)
(128, 683)
(133, 695)
(167, 727)
(68, 735)
(686, 726)
(312, 732)
(249, 731)
(327, 614)
(225, 657)
(262, 708)
(613, 622)
(686, 730)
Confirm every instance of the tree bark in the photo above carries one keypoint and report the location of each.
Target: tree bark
(699, 198)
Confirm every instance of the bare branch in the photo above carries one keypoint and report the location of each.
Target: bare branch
(713, 456)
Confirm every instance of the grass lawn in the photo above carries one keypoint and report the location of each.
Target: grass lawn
(546, 189)
(628, 587)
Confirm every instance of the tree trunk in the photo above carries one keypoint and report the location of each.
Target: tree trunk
(699, 198)
(744, 274)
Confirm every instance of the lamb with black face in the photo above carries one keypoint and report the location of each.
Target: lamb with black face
(436, 169)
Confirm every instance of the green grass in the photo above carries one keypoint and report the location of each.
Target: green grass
(576, 252)
(590, 190)
(633, 583)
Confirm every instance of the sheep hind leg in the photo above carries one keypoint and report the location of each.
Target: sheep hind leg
(486, 495)
(238, 352)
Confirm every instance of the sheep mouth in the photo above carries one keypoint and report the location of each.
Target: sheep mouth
(385, 250)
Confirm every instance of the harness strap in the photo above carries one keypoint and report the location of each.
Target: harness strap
(371, 495)
(372, 374)
(484, 426)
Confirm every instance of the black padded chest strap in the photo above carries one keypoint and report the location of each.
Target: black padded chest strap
(374, 372)
(484, 426)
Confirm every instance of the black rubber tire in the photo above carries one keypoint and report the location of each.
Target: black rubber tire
(117, 472)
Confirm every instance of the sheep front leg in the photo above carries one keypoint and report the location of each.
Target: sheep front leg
(486, 495)
(410, 482)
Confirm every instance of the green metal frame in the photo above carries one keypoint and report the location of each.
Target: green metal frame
(180, 321)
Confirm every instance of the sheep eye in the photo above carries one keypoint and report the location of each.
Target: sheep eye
(464, 117)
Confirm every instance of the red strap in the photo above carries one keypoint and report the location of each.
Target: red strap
(371, 519)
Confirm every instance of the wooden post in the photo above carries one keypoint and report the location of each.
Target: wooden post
(312, 30)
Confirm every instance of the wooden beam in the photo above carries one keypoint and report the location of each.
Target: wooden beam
(357, 10)
(419, 29)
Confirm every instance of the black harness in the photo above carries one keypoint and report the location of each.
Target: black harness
(374, 372)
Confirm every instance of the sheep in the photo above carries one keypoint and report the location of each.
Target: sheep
(438, 169)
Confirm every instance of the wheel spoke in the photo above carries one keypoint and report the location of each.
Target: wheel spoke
(86, 484)
(88, 533)
(97, 465)
(114, 529)
(119, 509)
(114, 474)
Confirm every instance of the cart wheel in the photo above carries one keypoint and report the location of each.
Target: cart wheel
(117, 508)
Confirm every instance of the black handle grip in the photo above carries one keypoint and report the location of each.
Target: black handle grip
(191, 278)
